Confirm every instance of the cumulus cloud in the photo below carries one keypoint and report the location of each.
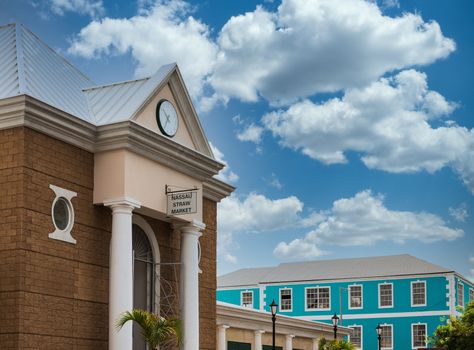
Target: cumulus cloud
(303, 48)
(308, 47)
(93, 8)
(388, 123)
(460, 213)
(225, 174)
(251, 133)
(255, 213)
(163, 33)
(364, 220)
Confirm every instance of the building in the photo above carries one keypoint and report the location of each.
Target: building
(407, 296)
(107, 202)
(244, 328)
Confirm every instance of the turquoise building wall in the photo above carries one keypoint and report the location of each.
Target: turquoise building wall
(401, 316)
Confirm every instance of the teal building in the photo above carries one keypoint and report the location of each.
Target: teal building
(407, 296)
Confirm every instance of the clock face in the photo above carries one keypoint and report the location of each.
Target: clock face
(167, 118)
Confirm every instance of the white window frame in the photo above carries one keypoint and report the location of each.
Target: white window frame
(391, 327)
(67, 196)
(361, 297)
(306, 308)
(460, 300)
(242, 298)
(413, 338)
(380, 304)
(291, 299)
(361, 335)
(412, 295)
(471, 294)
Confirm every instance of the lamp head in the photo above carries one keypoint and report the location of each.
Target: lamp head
(273, 307)
(378, 329)
(335, 320)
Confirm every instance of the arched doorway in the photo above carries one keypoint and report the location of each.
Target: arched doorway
(145, 274)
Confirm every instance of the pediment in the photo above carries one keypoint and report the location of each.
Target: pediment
(190, 132)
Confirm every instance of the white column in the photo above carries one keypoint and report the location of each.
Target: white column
(121, 272)
(315, 344)
(221, 338)
(258, 339)
(289, 342)
(189, 283)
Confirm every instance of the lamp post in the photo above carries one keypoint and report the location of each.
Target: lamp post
(335, 321)
(379, 335)
(273, 309)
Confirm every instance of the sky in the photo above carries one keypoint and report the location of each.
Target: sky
(346, 126)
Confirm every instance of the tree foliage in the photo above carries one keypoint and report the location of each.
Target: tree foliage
(155, 329)
(458, 333)
(335, 344)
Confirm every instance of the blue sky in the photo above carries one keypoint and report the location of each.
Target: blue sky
(346, 126)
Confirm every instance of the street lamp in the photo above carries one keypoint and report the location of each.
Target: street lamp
(379, 335)
(273, 309)
(335, 321)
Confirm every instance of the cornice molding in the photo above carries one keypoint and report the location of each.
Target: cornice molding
(26, 111)
(216, 190)
(132, 136)
(250, 319)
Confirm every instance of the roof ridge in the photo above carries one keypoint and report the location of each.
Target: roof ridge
(96, 87)
(20, 62)
(342, 259)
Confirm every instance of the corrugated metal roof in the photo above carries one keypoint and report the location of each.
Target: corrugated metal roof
(244, 277)
(381, 266)
(29, 66)
(9, 83)
(52, 79)
(118, 102)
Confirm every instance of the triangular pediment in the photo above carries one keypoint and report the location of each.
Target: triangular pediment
(137, 100)
(172, 89)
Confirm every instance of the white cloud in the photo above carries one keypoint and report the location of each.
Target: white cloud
(251, 133)
(460, 213)
(225, 174)
(471, 260)
(164, 33)
(364, 220)
(387, 122)
(255, 213)
(311, 46)
(93, 8)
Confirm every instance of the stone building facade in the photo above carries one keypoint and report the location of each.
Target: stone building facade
(85, 176)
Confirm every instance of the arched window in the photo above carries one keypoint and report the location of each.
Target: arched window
(146, 259)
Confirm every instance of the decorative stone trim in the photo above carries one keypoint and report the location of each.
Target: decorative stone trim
(65, 233)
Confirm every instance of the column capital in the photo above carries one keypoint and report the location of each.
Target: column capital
(125, 204)
(223, 326)
(290, 336)
(194, 227)
(259, 331)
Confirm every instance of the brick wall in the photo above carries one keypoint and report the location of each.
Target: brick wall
(53, 295)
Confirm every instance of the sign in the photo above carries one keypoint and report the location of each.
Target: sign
(182, 202)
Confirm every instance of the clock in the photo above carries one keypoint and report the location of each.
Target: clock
(167, 118)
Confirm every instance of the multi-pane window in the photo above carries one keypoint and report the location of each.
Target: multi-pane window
(386, 340)
(418, 293)
(356, 336)
(355, 297)
(318, 298)
(471, 294)
(461, 294)
(285, 299)
(386, 295)
(246, 299)
(418, 336)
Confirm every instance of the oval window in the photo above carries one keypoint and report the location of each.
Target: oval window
(61, 213)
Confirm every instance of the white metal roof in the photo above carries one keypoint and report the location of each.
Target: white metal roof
(380, 266)
(30, 67)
